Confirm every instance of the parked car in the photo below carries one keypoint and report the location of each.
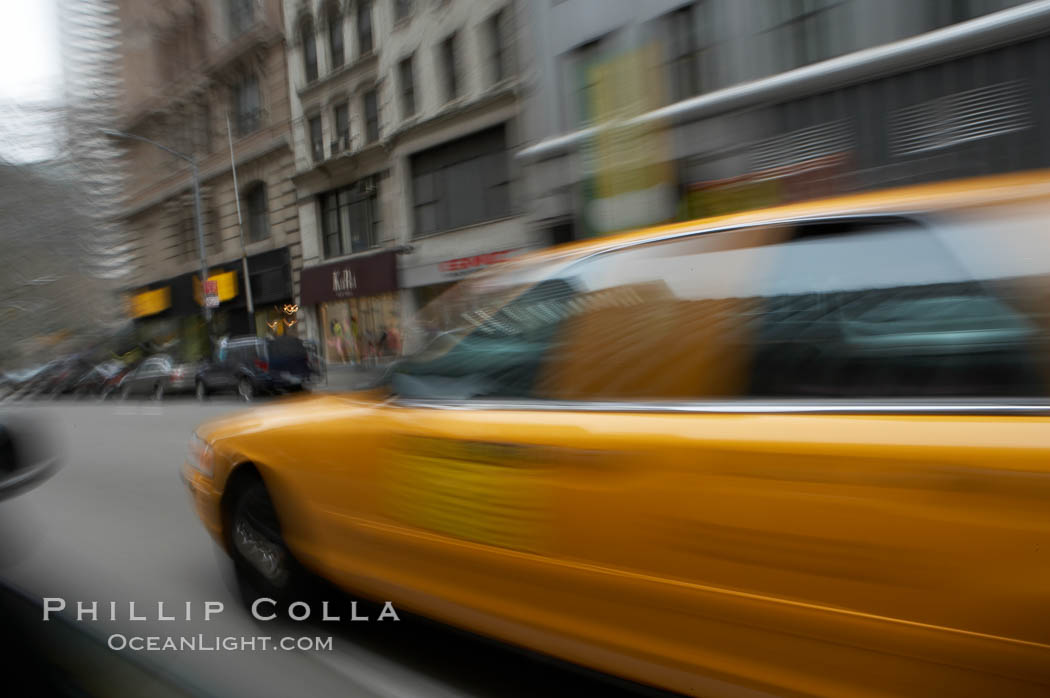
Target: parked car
(95, 380)
(796, 451)
(112, 384)
(59, 376)
(316, 362)
(20, 382)
(250, 366)
(157, 376)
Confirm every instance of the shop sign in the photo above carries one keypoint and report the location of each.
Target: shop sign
(149, 302)
(364, 276)
(224, 285)
(451, 270)
(466, 265)
(343, 283)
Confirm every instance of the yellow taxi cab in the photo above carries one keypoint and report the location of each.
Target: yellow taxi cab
(797, 451)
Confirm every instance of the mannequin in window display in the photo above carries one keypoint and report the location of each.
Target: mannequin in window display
(355, 338)
(393, 340)
(336, 342)
(392, 336)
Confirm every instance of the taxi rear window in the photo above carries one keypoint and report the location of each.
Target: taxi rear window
(853, 308)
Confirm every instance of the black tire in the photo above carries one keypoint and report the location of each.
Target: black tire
(245, 389)
(158, 392)
(264, 566)
(201, 391)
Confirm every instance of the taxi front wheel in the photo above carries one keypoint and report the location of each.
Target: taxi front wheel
(263, 564)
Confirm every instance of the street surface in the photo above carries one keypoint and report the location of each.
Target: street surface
(116, 524)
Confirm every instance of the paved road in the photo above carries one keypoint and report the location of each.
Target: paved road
(115, 524)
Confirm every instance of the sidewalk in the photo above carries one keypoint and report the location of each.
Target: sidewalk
(345, 378)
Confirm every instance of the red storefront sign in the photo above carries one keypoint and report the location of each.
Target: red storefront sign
(474, 262)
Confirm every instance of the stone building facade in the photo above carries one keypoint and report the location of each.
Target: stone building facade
(190, 67)
(404, 123)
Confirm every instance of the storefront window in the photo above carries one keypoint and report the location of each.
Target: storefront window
(362, 330)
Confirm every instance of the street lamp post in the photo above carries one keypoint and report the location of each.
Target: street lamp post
(196, 207)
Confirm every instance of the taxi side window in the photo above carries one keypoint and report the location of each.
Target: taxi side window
(884, 308)
(661, 321)
(850, 308)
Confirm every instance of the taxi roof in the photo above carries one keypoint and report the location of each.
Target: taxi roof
(915, 198)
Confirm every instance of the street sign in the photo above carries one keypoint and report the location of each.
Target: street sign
(211, 301)
(211, 287)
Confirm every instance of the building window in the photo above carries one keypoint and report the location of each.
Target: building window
(497, 46)
(943, 13)
(202, 135)
(341, 139)
(402, 10)
(448, 68)
(316, 139)
(212, 222)
(364, 27)
(805, 32)
(190, 248)
(256, 206)
(461, 183)
(242, 16)
(309, 39)
(407, 78)
(371, 117)
(682, 53)
(247, 106)
(581, 82)
(348, 219)
(336, 48)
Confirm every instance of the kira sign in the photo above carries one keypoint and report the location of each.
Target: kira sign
(364, 276)
(343, 282)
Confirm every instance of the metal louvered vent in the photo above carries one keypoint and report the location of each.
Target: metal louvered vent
(801, 146)
(959, 118)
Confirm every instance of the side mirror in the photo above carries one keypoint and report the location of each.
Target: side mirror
(27, 455)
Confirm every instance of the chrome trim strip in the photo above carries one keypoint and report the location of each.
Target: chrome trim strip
(1020, 406)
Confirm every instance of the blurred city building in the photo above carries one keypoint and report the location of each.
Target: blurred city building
(645, 112)
(405, 120)
(64, 250)
(187, 66)
(384, 149)
(89, 31)
(53, 294)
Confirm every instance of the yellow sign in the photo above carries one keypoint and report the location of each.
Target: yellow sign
(631, 180)
(149, 302)
(226, 283)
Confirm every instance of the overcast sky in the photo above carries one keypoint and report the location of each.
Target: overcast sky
(30, 73)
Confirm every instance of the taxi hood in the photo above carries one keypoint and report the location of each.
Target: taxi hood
(288, 411)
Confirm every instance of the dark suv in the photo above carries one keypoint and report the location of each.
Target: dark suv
(249, 366)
